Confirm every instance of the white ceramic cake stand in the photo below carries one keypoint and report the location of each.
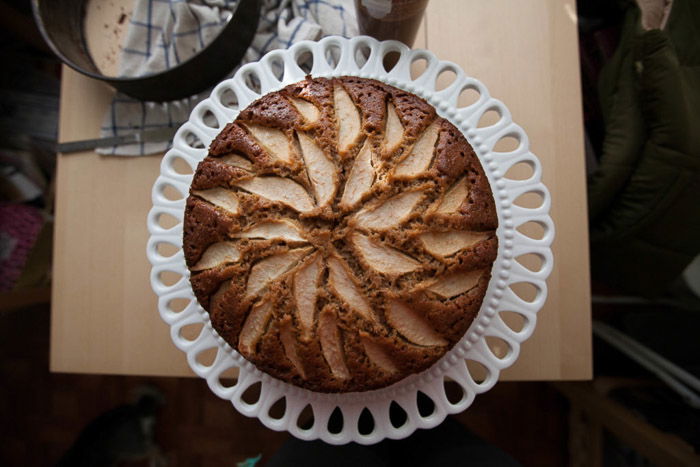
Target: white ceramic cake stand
(274, 71)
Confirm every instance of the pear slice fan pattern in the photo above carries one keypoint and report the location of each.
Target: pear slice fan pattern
(340, 234)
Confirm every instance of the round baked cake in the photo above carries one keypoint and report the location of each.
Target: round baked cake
(340, 234)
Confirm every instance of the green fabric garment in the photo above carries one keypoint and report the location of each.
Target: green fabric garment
(644, 199)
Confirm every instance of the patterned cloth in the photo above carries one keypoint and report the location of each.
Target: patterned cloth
(19, 227)
(165, 32)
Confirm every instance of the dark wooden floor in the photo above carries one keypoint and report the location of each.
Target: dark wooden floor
(42, 413)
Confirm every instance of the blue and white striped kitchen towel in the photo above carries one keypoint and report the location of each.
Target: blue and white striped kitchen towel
(162, 33)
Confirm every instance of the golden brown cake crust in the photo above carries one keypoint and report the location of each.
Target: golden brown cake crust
(340, 234)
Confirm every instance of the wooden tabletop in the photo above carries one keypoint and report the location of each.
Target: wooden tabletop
(104, 315)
